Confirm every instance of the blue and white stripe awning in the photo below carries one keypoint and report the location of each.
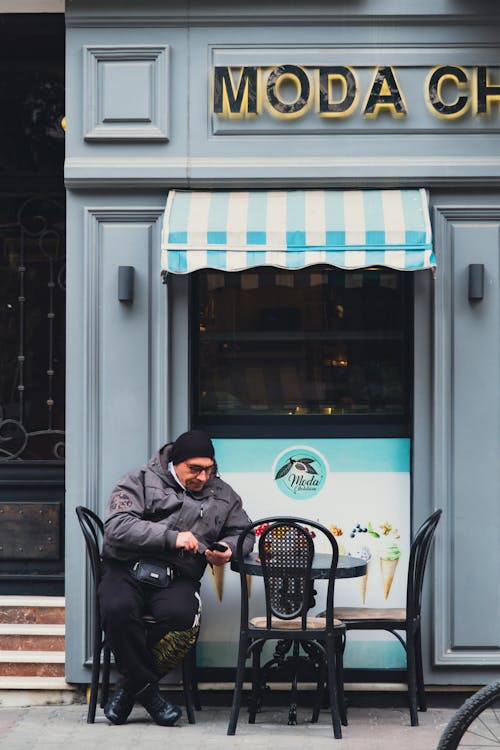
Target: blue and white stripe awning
(233, 231)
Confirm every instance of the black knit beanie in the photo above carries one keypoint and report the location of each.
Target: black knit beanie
(192, 444)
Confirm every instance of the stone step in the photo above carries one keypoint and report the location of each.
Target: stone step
(32, 664)
(33, 656)
(32, 642)
(32, 609)
(34, 683)
(15, 637)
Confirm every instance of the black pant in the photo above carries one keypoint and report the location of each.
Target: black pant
(124, 601)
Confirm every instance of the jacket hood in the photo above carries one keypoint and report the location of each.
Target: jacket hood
(158, 463)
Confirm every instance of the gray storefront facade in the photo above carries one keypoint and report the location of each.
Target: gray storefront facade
(194, 96)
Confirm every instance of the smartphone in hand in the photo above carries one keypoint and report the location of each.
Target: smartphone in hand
(216, 547)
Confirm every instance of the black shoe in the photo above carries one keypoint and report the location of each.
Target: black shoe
(118, 708)
(161, 711)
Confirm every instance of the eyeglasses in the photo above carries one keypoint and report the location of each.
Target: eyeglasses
(195, 469)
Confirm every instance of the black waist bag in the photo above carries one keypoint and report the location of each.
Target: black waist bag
(153, 572)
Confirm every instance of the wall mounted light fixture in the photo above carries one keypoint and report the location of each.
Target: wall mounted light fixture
(476, 281)
(126, 283)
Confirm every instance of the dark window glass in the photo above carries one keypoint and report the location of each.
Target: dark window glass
(32, 238)
(32, 328)
(32, 96)
(305, 349)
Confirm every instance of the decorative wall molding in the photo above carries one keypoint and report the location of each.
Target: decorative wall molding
(126, 93)
(284, 172)
(32, 6)
(96, 218)
(276, 19)
(446, 588)
(93, 460)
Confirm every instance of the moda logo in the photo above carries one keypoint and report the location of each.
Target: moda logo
(300, 472)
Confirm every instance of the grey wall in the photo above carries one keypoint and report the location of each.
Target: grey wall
(117, 361)
(139, 123)
(457, 439)
(139, 93)
(466, 433)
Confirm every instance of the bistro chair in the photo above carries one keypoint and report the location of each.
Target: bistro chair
(407, 620)
(93, 529)
(286, 553)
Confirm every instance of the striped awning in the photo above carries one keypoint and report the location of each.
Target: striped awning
(233, 231)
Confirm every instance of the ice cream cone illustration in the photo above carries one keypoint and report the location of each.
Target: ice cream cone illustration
(356, 549)
(389, 559)
(364, 582)
(389, 555)
(218, 580)
(364, 554)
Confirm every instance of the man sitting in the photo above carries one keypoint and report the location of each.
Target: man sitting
(171, 510)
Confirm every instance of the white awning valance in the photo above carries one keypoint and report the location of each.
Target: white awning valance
(233, 231)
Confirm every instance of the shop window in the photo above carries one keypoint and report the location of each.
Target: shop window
(316, 351)
(32, 239)
(32, 328)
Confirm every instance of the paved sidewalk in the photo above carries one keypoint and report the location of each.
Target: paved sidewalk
(65, 728)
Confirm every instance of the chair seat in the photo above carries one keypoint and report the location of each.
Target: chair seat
(313, 623)
(370, 613)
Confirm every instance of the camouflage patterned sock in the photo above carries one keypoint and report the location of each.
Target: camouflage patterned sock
(172, 647)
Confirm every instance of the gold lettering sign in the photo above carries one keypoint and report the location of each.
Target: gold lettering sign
(291, 91)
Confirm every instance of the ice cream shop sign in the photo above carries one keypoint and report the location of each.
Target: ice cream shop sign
(300, 472)
(336, 91)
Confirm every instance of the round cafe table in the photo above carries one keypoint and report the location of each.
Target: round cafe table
(347, 567)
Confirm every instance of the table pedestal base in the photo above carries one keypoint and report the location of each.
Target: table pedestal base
(289, 665)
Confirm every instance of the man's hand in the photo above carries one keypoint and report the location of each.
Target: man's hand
(218, 558)
(186, 540)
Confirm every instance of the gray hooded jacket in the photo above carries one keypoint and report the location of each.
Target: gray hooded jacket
(148, 508)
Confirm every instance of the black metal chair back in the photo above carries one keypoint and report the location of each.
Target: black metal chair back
(419, 554)
(406, 620)
(286, 551)
(93, 529)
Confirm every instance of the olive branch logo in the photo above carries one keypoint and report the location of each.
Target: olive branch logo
(300, 464)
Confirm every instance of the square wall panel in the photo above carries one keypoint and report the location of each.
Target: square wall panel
(126, 93)
(117, 80)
